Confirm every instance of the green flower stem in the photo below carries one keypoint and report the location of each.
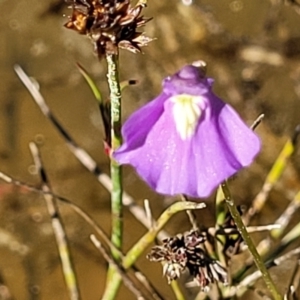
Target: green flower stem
(221, 211)
(176, 290)
(115, 169)
(133, 254)
(243, 231)
(116, 140)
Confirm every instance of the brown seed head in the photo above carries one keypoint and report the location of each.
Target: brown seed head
(187, 251)
(110, 24)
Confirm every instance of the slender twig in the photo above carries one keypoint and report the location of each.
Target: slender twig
(257, 121)
(251, 229)
(291, 293)
(294, 281)
(58, 229)
(127, 281)
(85, 159)
(147, 285)
(74, 206)
(95, 226)
(276, 233)
(285, 241)
(191, 215)
(269, 257)
(142, 278)
(273, 176)
(286, 216)
(243, 231)
(148, 212)
(248, 281)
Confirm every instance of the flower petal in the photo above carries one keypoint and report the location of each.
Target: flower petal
(136, 128)
(220, 145)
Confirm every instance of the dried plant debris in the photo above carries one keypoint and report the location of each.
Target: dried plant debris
(110, 24)
(187, 252)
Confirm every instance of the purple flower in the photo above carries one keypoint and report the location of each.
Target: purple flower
(187, 140)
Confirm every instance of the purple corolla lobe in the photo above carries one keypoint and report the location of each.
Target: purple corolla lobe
(186, 140)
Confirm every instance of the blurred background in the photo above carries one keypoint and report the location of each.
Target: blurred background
(252, 49)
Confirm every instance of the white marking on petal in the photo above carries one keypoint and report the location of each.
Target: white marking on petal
(186, 112)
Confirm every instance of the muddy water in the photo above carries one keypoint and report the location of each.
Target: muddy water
(253, 51)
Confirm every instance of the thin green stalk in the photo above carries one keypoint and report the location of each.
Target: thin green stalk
(116, 140)
(220, 218)
(133, 254)
(176, 290)
(247, 239)
(115, 169)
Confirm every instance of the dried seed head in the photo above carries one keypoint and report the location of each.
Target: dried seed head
(187, 252)
(110, 24)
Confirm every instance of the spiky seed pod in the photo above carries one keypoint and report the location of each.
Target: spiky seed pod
(110, 24)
